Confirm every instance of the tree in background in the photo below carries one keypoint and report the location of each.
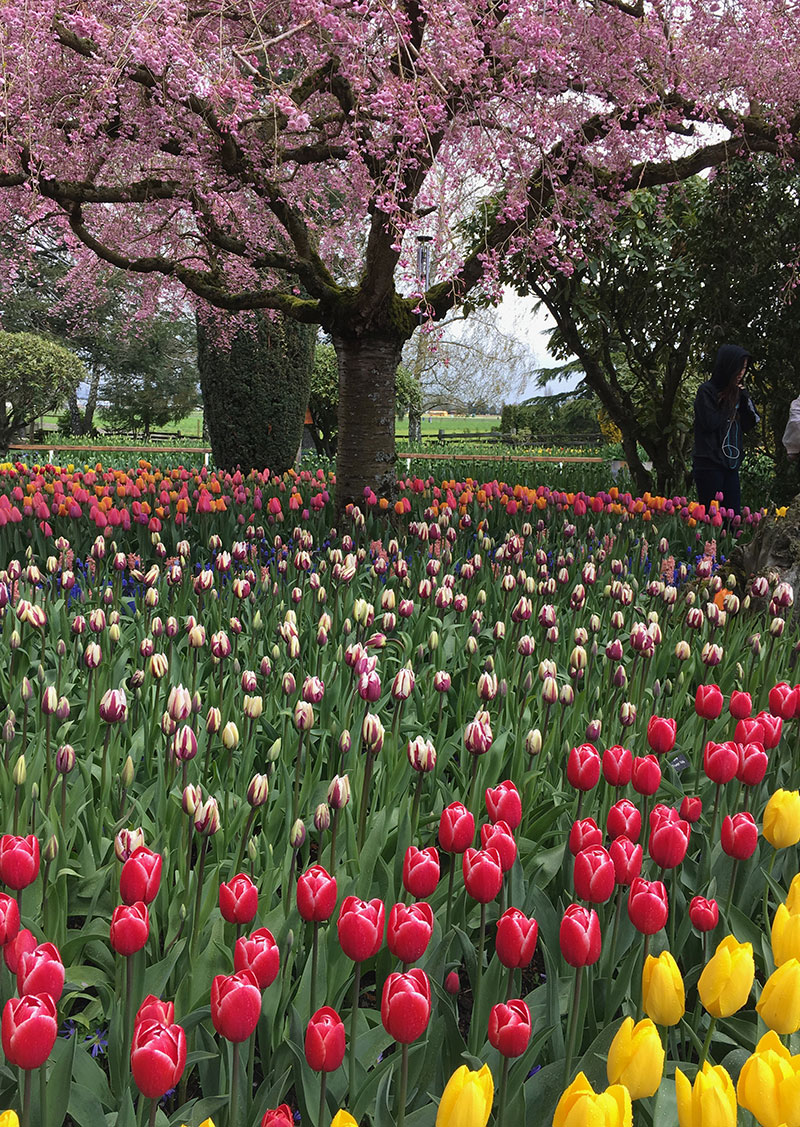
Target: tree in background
(203, 145)
(36, 375)
(255, 387)
(154, 377)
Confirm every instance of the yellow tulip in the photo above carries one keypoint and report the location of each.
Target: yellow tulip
(769, 1084)
(793, 896)
(467, 1099)
(727, 978)
(636, 1058)
(785, 935)
(710, 1102)
(343, 1118)
(781, 822)
(779, 1004)
(205, 1123)
(9, 1119)
(581, 1105)
(663, 995)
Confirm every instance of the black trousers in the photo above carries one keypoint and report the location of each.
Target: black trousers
(711, 478)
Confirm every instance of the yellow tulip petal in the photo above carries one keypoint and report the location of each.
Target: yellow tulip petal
(9, 1119)
(343, 1118)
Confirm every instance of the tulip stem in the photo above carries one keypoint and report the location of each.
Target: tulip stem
(199, 897)
(701, 756)
(510, 983)
(26, 1099)
(734, 868)
(707, 1043)
(334, 829)
(234, 1116)
(501, 1104)
(353, 1031)
(43, 1095)
(472, 783)
(645, 950)
(153, 1113)
(714, 821)
(323, 1091)
(573, 1025)
(766, 891)
(401, 1096)
(613, 954)
(362, 810)
(415, 804)
(314, 957)
(296, 793)
(476, 990)
(450, 884)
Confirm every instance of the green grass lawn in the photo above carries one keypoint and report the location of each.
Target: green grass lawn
(452, 424)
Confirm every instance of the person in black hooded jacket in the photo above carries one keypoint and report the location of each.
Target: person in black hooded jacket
(723, 413)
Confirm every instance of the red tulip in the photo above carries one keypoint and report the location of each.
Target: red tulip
(783, 701)
(510, 1027)
(749, 731)
(235, 1005)
(646, 775)
(516, 938)
(669, 842)
(617, 766)
(703, 913)
(624, 820)
(130, 927)
(409, 931)
(19, 860)
(325, 1040)
(29, 1029)
(316, 894)
(12, 952)
(741, 705)
(503, 803)
(153, 1009)
(41, 971)
(158, 1057)
(708, 701)
(500, 837)
(583, 767)
(647, 905)
(739, 835)
(627, 858)
(278, 1117)
(584, 834)
(483, 874)
(753, 762)
(661, 733)
(9, 919)
(238, 900)
(406, 1005)
(663, 813)
(421, 871)
(772, 725)
(258, 952)
(360, 928)
(593, 875)
(721, 761)
(140, 877)
(579, 936)
(456, 828)
(691, 808)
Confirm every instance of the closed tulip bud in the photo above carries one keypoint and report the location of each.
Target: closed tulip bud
(708, 702)
(467, 1099)
(703, 913)
(584, 834)
(617, 766)
(636, 1058)
(483, 874)
(779, 1004)
(127, 842)
(627, 859)
(661, 734)
(325, 1040)
(593, 875)
(727, 978)
(230, 736)
(739, 835)
(580, 1104)
(533, 742)
(372, 733)
(322, 817)
(113, 706)
(583, 767)
(646, 775)
(669, 842)
(297, 834)
(339, 792)
(49, 700)
(648, 907)
(130, 927)
(624, 820)
(709, 1102)
(510, 1027)
(768, 1081)
(579, 936)
(740, 705)
(406, 1005)
(238, 900)
(663, 993)
(126, 774)
(29, 1029)
(316, 894)
(235, 1005)
(504, 803)
(213, 720)
(421, 754)
(258, 791)
(206, 818)
(627, 714)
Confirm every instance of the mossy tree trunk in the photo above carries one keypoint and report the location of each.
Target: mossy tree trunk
(255, 391)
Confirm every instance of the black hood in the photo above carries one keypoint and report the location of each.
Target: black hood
(728, 362)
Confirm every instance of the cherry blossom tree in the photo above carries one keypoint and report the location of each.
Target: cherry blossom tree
(261, 154)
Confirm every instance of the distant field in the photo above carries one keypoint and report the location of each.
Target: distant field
(458, 424)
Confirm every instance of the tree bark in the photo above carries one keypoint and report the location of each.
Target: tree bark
(642, 478)
(91, 402)
(366, 451)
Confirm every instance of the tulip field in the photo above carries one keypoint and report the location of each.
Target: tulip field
(476, 805)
